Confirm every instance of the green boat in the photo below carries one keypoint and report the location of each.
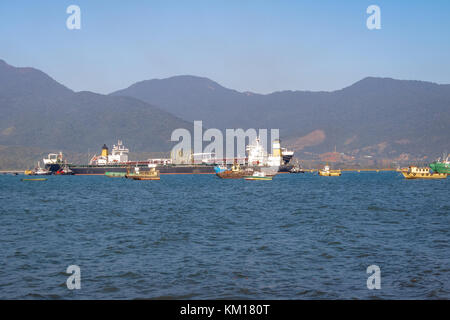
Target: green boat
(115, 174)
(441, 166)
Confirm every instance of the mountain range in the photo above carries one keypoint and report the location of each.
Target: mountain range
(375, 116)
(380, 117)
(37, 111)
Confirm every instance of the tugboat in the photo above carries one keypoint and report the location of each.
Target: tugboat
(441, 166)
(296, 168)
(38, 171)
(413, 172)
(65, 170)
(151, 174)
(235, 173)
(327, 172)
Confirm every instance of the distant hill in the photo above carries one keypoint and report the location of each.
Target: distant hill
(381, 117)
(375, 116)
(37, 111)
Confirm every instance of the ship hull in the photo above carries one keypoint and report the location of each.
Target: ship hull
(101, 170)
(163, 169)
(409, 175)
(285, 168)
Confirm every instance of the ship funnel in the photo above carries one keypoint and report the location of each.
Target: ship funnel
(276, 148)
(104, 151)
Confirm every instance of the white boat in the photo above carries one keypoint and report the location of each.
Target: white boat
(258, 175)
(41, 171)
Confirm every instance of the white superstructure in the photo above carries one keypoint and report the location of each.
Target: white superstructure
(258, 157)
(53, 158)
(119, 154)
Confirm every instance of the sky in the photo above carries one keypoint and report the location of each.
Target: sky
(248, 45)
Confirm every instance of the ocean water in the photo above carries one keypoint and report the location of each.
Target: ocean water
(199, 237)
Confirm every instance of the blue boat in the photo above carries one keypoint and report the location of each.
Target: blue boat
(219, 169)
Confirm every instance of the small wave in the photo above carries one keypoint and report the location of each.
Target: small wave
(171, 297)
(375, 208)
(110, 289)
(327, 256)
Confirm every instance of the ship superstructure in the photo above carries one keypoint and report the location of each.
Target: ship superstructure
(119, 154)
(280, 157)
(258, 157)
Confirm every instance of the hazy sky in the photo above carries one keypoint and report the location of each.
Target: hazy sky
(248, 45)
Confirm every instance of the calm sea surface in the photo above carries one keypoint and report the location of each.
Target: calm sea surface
(197, 237)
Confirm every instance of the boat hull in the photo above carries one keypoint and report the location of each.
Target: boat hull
(329, 173)
(231, 175)
(285, 168)
(409, 175)
(251, 178)
(143, 178)
(115, 174)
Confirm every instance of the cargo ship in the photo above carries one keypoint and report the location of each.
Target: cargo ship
(286, 165)
(116, 162)
(441, 166)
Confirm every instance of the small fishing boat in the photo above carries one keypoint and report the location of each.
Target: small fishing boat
(35, 179)
(327, 172)
(296, 169)
(38, 171)
(221, 168)
(236, 172)
(441, 166)
(257, 175)
(413, 172)
(112, 174)
(151, 174)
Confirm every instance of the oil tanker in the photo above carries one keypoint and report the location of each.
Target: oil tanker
(117, 161)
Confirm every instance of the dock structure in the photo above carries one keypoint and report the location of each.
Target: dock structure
(12, 171)
(355, 170)
(376, 170)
